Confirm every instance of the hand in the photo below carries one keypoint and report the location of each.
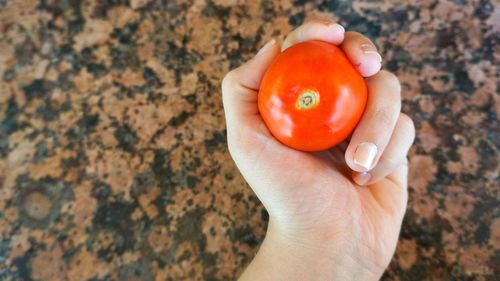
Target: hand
(335, 214)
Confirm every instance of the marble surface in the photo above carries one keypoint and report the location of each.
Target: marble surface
(113, 158)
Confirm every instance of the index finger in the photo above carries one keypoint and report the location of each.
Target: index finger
(316, 29)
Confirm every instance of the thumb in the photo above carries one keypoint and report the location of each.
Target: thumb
(240, 87)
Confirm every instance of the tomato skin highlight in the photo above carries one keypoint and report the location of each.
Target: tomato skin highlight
(312, 97)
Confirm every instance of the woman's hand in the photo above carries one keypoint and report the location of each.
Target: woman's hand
(336, 214)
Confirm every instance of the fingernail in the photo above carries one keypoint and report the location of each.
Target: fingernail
(365, 155)
(370, 50)
(337, 26)
(266, 46)
(362, 178)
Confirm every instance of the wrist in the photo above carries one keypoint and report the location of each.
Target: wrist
(286, 256)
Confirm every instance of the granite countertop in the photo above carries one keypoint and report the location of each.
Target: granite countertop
(113, 158)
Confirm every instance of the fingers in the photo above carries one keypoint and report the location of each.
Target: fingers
(393, 156)
(360, 50)
(362, 53)
(375, 128)
(240, 86)
(323, 30)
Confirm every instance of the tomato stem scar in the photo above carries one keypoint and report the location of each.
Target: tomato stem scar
(307, 99)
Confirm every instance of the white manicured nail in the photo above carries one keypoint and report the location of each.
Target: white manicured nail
(365, 155)
(370, 50)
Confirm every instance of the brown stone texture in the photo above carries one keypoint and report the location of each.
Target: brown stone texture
(113, 157)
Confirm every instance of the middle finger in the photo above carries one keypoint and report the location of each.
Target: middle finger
(375, 128)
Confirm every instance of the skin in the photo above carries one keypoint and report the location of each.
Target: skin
(329, 218)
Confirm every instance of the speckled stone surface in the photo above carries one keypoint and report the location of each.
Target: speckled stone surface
(113, 162)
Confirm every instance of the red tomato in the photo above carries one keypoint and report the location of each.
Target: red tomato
(311, 97)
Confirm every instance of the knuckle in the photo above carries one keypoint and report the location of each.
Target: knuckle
(391, 79)
(385, 91)
(385, 116)
(407, 124)
(389, 163)
(229, 82)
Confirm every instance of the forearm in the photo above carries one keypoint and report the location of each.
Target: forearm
(279, 259)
